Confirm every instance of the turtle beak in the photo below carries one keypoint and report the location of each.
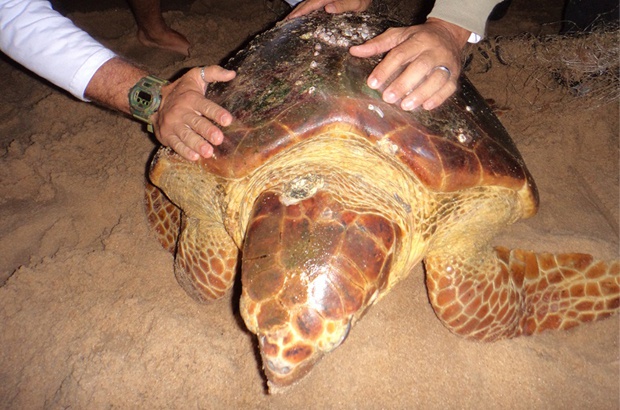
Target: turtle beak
(286, 363)
(288, 358)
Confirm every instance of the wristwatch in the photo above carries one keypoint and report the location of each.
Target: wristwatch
(145, 99)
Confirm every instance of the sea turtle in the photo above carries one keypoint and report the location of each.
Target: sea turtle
(333, 196)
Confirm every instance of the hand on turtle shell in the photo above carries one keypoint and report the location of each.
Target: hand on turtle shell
(422, 64)
(185, 119)
(330, 6)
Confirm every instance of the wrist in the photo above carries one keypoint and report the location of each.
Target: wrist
(145, 99)
(458, 33)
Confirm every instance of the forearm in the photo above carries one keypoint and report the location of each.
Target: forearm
(111, 84)
(40, 39)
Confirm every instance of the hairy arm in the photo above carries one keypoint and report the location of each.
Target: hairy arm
(111, 84)
(45, 42)
(185, 119)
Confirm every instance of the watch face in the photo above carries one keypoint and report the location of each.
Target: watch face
(144, 99)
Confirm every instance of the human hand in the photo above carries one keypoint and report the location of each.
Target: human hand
(184, 120)
(422, 64)
(330, 6)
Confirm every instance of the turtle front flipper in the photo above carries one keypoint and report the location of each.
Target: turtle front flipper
(504, 293)
(206, 259)
(309, 271)
(204, 254)
(164, 217)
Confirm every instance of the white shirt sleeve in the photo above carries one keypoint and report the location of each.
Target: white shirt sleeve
(50, 45)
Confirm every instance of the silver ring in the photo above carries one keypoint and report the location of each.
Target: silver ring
(202, 74)
(443, 68)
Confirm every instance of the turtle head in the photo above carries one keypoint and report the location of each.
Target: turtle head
(309, 270)
(291, 343)
(289, 353)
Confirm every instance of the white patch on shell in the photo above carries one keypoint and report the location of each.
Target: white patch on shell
(345, 35)
(327, 213)
(376, 109)
(301, 188)
(387, 146)
(462, 137)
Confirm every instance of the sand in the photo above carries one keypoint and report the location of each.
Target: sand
(92, 317)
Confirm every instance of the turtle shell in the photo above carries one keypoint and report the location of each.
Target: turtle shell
(296, 79)
(328, 196)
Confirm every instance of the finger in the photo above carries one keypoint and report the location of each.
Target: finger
(440, 96)
(392, 65)
(380, 44)
(180, 148)
(212, 111)
(403, 76)
(205, 128)
(434, 82)
(193, 142)
(214, 73)
(397, 67)
(400, 83)
(307, 7)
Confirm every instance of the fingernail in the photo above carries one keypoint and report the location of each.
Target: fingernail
(428, 106)
(389, 98)
(206, 151)
(373, 83)
(225, 120)
(330, 8)
(407, 105)
(216, 137)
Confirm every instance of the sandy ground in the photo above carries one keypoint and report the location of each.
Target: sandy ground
(91, 315)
